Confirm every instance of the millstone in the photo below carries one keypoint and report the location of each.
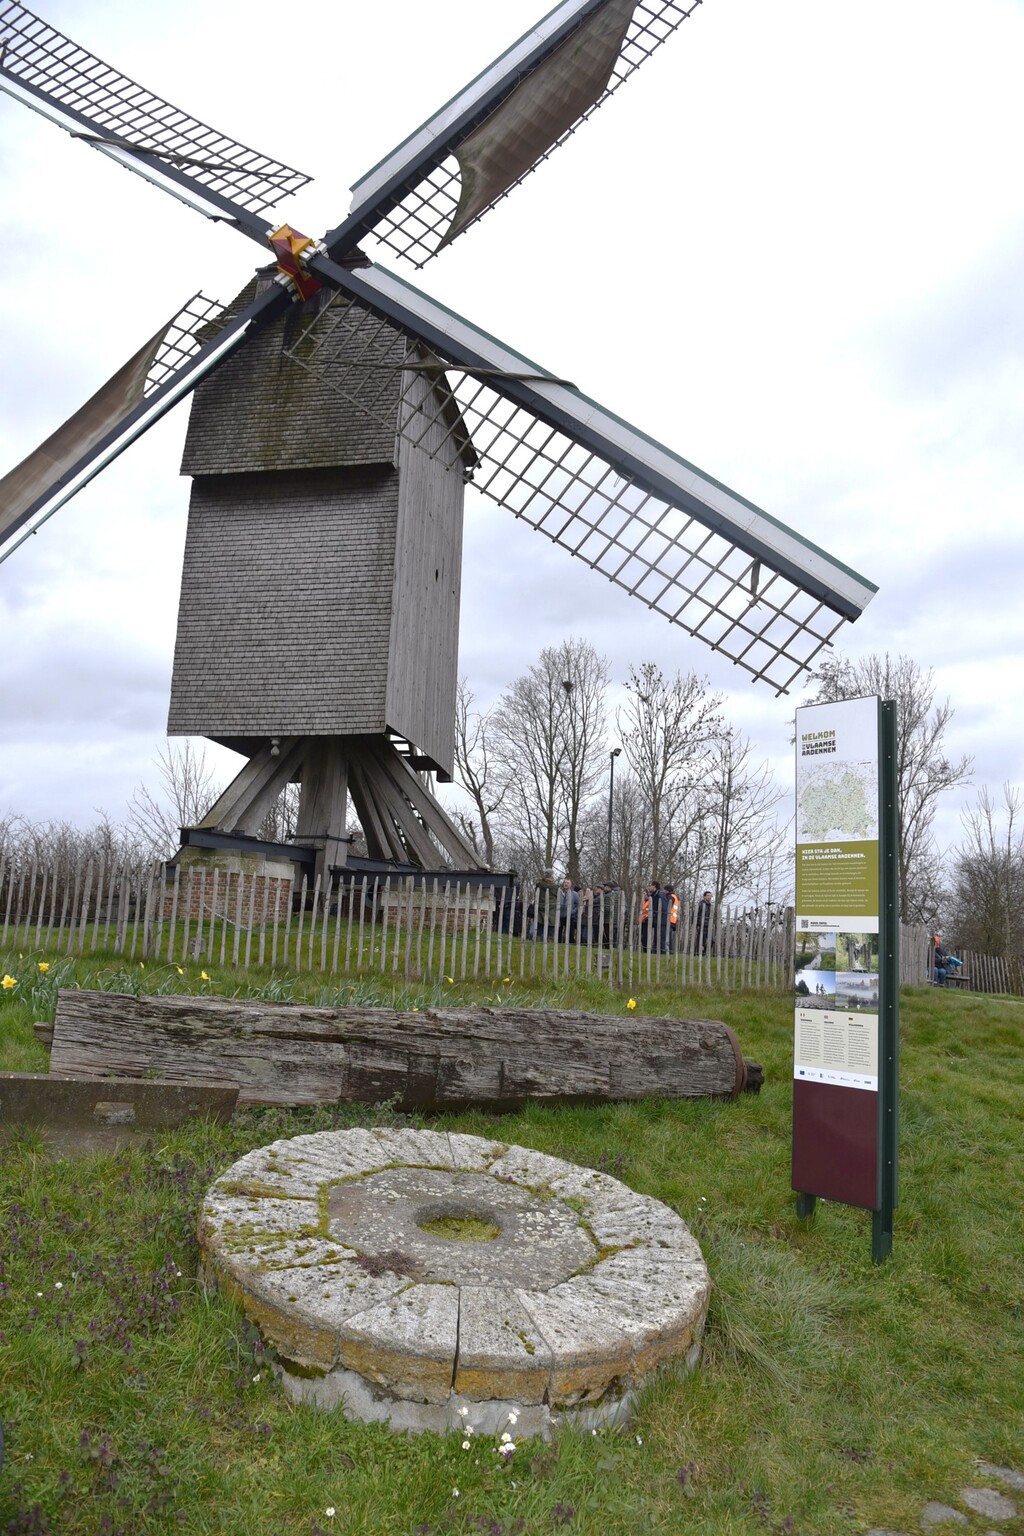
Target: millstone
(405, 1275)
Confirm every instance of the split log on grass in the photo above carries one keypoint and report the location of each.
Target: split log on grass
(288, 1054)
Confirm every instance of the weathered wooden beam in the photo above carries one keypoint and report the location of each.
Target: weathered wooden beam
(397, 808)
(380, 842)
(286, 1053)
(253, 790)
(433, 814)
(77, 1113)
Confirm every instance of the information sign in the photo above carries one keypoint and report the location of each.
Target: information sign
(843, 1058)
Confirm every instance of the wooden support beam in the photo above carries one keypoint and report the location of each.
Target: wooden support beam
(434, 817)
(247, 799)
(323, 801)
(419, 849)
(381, 842)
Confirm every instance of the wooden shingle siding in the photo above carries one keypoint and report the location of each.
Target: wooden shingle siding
(261, 411)
(425, 617)
(285, 613)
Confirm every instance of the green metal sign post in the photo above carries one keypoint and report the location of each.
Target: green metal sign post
(889, 985)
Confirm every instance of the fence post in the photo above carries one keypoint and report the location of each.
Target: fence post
(251, 916)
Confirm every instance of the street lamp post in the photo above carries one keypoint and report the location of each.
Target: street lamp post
(611, 802)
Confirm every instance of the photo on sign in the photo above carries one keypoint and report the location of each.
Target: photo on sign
(856, 952)
(816, 989)
(856, 992)
(816, 952)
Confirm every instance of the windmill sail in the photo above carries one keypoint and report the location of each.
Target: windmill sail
(132, 400)
(505, 123)
(119, 117)
(641, 515)
(539, 113)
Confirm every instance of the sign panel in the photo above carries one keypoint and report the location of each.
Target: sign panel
(837, 962)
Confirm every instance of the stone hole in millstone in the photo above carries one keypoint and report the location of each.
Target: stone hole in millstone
(458, 1223)
(540, 1240)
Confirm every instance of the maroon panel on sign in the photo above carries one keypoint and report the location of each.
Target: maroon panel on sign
(835, 1143)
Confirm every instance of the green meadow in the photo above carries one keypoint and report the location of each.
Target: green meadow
(832, 1394)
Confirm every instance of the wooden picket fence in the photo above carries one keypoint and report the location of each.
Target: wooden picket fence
(977, 973)
(355, 925)
(436, 930)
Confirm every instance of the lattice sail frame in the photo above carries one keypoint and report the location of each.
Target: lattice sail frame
(696, 577)
(197, 322)
(414, 228)
(127, 116)
(651, 549)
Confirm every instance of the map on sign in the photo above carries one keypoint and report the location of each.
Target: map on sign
(837, 801)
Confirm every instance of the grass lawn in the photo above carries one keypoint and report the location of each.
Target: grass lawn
(832, 1395)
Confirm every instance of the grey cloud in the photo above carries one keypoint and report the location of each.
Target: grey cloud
(973, 329)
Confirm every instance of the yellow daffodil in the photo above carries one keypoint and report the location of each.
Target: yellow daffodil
(8, 983)
(179, 970)
(44, 966)
(203, 976)
(631, 1004)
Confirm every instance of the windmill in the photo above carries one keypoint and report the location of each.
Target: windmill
(404, 402)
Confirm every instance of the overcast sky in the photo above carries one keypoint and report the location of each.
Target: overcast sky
(790, 248)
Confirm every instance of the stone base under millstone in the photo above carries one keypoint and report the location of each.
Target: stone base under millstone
(405, 1275)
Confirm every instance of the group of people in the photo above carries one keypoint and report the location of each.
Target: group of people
(660, 921)
(584, 914)
(570, 913)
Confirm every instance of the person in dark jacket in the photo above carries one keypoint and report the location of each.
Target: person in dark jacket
(568, 912)
(704, 925)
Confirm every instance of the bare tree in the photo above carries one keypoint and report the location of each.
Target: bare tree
(668, 729)
(549, 732)
(987, 897)
(61, 847)
(923, 771)
(477, 772)
(188, 787)
(278, 825)
(742, 802)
